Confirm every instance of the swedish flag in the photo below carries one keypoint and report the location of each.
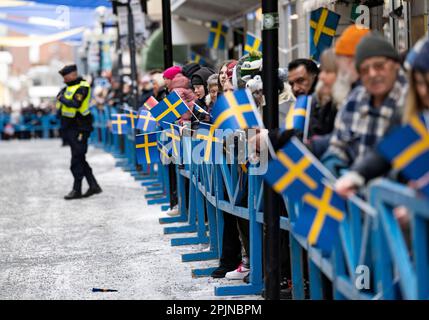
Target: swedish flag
(235, 110)
(217, 36)
(293, 173)
(147, 148)
(195, 57)
(252, 44)
(169, 110)
(145, 121)
(163, 153)
(131, 118)
(407, 148)
(323, 27)
(172, 135)
(295, 118)
(199, 109)
(119, 124)
(320, 217)
(211, 145)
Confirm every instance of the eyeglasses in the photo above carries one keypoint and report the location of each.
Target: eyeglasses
(378, 66)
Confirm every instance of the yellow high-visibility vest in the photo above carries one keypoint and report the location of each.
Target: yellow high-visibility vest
(69, 94)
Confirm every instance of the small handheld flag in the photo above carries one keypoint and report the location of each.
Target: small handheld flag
(320, 218)
(172, 133)
(199, 109)
(253, 43)
(195, 57)
(150, 103)
(169, 110)
(145, 121)
(131, 118)
(293, 173)
(119, 124)
(217, 35)
(236, 110)
(211, 145)
(323, 27)
(296, 116)
(407, 148)
(147, 148)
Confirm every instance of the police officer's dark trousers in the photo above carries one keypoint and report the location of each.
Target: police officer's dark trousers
(79, 167)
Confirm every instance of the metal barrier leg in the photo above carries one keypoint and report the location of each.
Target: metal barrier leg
(201, 226)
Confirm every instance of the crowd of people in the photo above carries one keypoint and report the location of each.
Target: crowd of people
(361, 90)
(28, 122)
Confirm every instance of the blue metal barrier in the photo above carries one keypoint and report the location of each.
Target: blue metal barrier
(33, 125)
(370, 238)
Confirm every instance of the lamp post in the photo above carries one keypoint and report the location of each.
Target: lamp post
(271, 121)
(166, 31)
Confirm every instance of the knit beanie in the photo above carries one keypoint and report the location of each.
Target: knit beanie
(375, 45)
(200, 77)
(252, 65)
(171, 72)
(414, 52)
(190, 68)
(349, 39)
(421, 62)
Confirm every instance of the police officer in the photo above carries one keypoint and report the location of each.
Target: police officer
(76, 122)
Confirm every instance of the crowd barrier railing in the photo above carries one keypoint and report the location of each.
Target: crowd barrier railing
(373, 257)
(42, 126)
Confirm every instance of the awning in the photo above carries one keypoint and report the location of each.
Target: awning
(76, 3)
(207, 10)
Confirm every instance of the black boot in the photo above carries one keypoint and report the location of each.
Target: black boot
(92, 190)
(73, 195)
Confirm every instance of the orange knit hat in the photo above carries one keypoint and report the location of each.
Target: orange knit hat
(348, 41)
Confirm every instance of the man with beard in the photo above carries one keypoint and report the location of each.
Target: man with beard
(303, 76)
(370, 109)
(345, 50)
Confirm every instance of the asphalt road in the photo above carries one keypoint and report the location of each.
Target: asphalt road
(56, 249)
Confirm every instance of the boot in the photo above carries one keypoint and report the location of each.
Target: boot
(92, 190)
(73, 195)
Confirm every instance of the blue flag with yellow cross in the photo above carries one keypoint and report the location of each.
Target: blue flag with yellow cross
(323, 27)
(171, 137)
(147, 148)
(169, 109)
(131, 118)
(295, 118)
(236, 110)
(292, 173)
(197, 58)
(217, 35)
(320, 217)
(211, 143)
(253, 43)
(145, 121)
(119, 123)
(407, 148)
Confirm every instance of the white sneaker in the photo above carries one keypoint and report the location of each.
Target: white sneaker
(238, 274)
(173, 212)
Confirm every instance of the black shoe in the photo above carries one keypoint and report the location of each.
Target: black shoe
(220, 272)
(91, 191)
(73, 195)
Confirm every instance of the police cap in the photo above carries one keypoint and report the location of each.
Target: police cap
(68, 69)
